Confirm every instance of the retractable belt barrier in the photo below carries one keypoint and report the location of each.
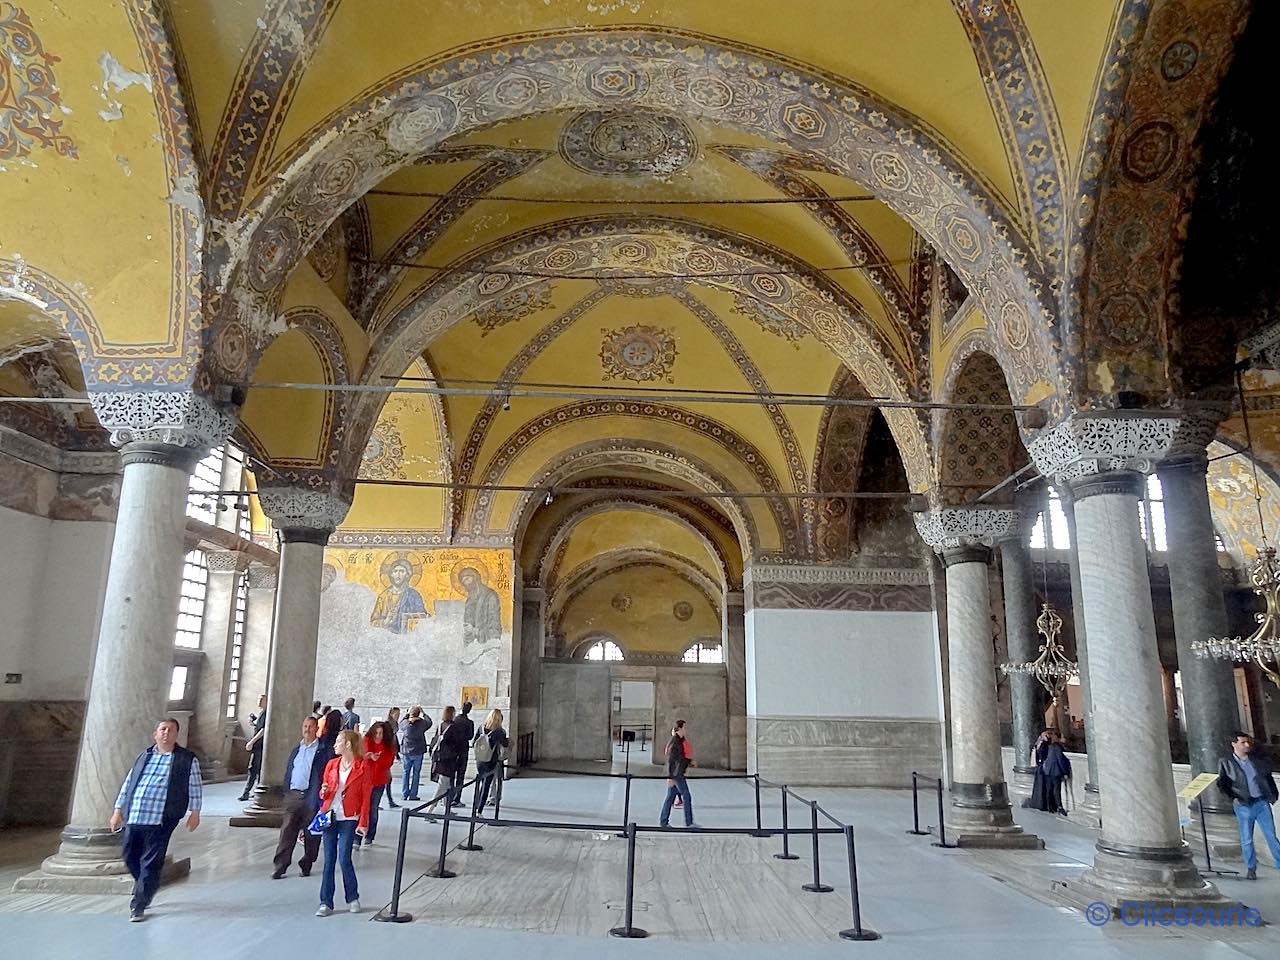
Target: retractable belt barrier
(915, 811)
(630, 830)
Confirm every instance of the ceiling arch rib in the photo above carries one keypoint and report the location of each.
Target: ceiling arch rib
(615, 420)
(639, 460)
(869, 139)
(809, 303)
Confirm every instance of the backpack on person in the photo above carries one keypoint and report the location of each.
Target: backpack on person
(482, 747)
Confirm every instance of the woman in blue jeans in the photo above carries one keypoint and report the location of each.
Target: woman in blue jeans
(679, 760)
(345, 793)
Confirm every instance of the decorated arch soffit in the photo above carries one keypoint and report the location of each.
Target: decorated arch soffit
(1137, 175)
(626, 459)
(837, 464)
(977, 448)
(550, 568)
(792, 306)
(899, 159)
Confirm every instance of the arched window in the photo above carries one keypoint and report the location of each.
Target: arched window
(604, 650)
(704, 653)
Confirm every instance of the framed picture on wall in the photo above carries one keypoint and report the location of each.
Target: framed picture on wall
(478, 697)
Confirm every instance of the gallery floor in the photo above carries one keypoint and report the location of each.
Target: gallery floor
(554, 894)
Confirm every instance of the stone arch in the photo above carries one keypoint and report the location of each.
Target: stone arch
(809, 302)
(736, 447)
(837, 463)
(895, 155)
(977, 448)
(653, 459)
(596, 507)
(23, 282)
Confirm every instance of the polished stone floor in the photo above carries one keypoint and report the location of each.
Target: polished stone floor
(555, 893)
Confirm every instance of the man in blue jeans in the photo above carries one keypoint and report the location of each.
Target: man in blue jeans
(679, 759)
(1246, 776)
(413, 748)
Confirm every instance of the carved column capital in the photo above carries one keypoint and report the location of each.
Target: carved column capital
(262, 577)
(949, 529)
(301, 514)
(178, 418)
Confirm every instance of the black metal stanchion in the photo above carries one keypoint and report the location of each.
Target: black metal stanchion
(817, 886)
(942, 822)
(1204, 838)
(857, 931)
(626, 807)
(395, 916)
(439, 870)
(497, 797)
(628, 929)
(471, 831)
(915, 808)
(786, 853)
(759, 830)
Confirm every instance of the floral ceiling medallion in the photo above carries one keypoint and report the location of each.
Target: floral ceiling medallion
(627, 143)
(29, 96)
(639, 353)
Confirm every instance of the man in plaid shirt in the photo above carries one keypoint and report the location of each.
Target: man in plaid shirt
(163, 786)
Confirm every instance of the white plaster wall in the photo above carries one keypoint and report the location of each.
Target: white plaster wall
(843, 663)
(52, 577)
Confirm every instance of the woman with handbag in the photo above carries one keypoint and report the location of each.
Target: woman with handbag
(379, 755)
(491, 745)
(448, 752)
(344, 814)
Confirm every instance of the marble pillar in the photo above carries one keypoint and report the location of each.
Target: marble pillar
(532, 639)
(305, 520)
(1089, 809)
(1023, 639)
(1200, 612)
(735, 659)
(1140, 854)
(210, 736)
(129, 688)
(980, 813)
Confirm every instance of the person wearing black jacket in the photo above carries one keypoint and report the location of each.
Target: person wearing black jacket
(468, 728)
(413, 748)
(1247, 776)
(303, 774)
(448, 753)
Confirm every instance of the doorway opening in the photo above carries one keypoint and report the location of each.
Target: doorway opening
(631, 716)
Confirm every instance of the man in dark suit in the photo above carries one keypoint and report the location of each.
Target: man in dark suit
(466, 732)
(303, 774)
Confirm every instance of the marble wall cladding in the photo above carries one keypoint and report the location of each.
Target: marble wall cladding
(844, 751)
(697, 695)
(48, 482)
(38, 760)
(574, 720)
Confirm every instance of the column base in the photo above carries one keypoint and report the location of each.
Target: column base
(265, 809)
(1160, 876)
(981, 817)
(1087, 812)
(88, 861)
(1023, 782)
(1223, 830)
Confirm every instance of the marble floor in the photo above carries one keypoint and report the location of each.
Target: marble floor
(555, 893)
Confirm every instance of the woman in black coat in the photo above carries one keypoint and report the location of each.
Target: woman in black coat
(448, 752)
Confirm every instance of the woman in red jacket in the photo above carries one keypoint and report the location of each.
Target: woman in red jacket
(379, 755)
(345, 793)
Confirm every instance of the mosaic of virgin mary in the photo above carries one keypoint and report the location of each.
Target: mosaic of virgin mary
(399, 606)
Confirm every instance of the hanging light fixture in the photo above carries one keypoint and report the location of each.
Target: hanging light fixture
(1262, 647)
(1051, 668)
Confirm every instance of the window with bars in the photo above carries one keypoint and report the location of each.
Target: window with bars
(237, 644)
(206, 481)
(1053, 534)
(604, 650)
(233, 477)
(195, 580)
(704, 653)
(1050, 531)
(1151, 516)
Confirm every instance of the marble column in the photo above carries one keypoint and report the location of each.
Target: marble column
(735, 659)
(1140, 854)
(1200, 612)
(1089, 810)
(980, 814)
(305, 520)
(210, 736)
(532, 640)
(132, 665)
(1023, 639)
